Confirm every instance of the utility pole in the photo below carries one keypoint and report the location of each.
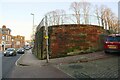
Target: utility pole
(46, 37)
(33, 25)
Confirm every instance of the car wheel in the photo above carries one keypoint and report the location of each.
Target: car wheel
(7, 55)
(4, 54)
(14, 54)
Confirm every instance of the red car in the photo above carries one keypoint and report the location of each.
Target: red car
(112, 43)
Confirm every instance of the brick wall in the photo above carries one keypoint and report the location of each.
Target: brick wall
(18, 41)
(64, 37)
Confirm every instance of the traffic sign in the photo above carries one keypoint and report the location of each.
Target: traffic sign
(46, 37)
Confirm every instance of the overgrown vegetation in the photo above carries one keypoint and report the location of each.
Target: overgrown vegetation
(74, 52)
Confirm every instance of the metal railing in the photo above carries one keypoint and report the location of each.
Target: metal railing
(70, 19)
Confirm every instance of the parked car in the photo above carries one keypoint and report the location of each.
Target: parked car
(27, 48)
(10, 52)
(21, 50)
(112, 43)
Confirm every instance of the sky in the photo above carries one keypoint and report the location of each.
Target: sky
(16, 14)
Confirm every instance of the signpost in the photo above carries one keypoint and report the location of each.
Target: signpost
(46, 37)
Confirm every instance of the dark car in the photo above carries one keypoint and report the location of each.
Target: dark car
(112, 43)
(10, 52)
(27, 48)
(21, 51)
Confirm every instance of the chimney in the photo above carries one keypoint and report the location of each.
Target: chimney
(3, 26)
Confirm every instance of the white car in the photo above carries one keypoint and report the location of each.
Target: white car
(10, 52)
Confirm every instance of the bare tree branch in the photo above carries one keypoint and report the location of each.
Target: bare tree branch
(76, 7)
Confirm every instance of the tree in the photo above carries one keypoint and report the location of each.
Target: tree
(102, 16)
(56, 17)
(108, 19)
(60, 15)
(85, 9)
(97, 13)
(111, 21)
(63, 16)
(76, 7)
(51, 17)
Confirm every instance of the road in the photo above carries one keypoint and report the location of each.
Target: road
(0, 65)
(8, 64)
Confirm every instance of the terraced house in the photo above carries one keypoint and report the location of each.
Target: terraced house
(0, 38)
(6, 38)
(18, 41)
(9, 41)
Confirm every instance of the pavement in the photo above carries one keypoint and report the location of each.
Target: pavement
(28, 66)
(78, 66)
(29, 59)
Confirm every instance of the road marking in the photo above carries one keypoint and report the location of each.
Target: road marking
(16, 63)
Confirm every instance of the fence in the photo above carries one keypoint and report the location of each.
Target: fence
(70, 19)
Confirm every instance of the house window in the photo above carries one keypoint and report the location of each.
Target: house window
(3, 37)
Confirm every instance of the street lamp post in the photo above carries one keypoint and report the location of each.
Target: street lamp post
(33, 23)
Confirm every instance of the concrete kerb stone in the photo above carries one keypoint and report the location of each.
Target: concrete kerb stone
(23, 60)
(29, 59)
(20, 62)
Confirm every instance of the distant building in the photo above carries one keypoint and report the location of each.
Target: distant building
(0, 39)
(5, 38)
(18, 41)
(27, 42)
(9, 41)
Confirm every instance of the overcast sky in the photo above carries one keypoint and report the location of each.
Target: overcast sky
(16, 14)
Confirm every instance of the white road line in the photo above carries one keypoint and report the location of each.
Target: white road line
(16, 63)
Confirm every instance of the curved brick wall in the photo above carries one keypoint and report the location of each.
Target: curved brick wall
(62, 38)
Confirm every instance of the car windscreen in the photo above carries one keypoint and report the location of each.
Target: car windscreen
(113, 38)
(10, 49)
(21, 49)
